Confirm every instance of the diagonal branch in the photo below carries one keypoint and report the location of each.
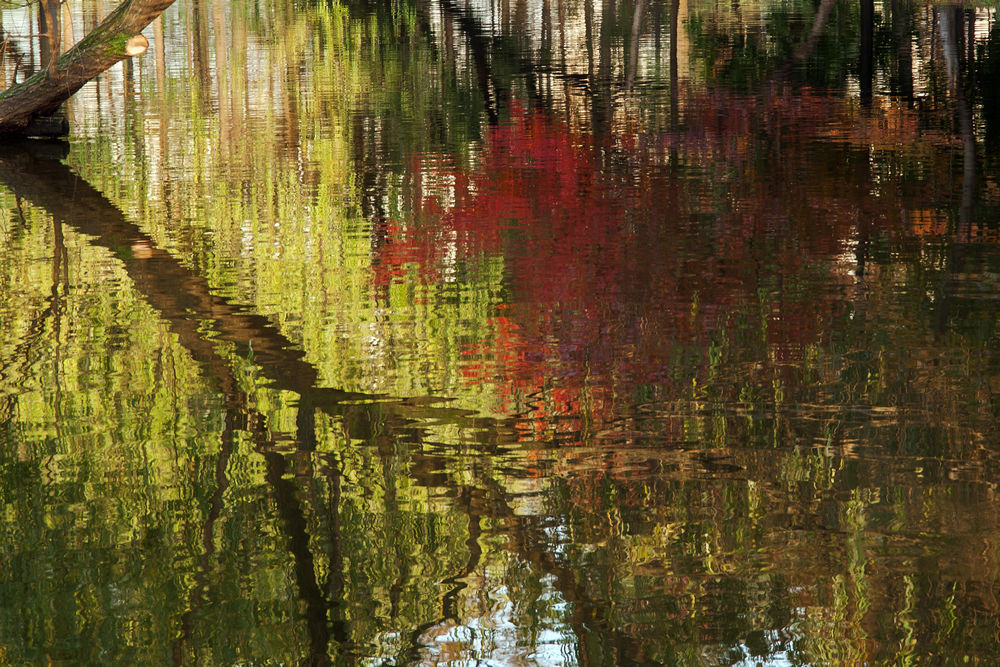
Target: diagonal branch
(116, 38)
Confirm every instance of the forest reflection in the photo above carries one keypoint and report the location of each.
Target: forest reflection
(531, 332)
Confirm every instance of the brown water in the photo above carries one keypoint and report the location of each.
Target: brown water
(533, 332)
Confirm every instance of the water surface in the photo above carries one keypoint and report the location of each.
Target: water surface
(533, 332)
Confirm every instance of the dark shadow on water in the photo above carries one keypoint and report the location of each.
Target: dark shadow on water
(184, 300)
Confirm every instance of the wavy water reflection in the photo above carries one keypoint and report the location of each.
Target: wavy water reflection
(550, 332)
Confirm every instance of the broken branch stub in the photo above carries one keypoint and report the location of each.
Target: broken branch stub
(136, 45)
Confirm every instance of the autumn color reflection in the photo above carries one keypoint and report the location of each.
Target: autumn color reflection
(618, 264)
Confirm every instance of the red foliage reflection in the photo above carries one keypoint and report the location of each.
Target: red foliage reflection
(620, 260)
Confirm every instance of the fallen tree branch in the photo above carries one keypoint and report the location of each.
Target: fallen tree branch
(116, 38)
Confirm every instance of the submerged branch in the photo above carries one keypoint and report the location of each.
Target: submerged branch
(806, 48)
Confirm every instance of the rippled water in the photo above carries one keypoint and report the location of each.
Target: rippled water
(544, 332)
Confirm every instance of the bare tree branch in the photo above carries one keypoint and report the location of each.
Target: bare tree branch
(116, 38)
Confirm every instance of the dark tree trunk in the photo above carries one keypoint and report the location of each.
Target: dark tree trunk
(116, 38)
(866, 61)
